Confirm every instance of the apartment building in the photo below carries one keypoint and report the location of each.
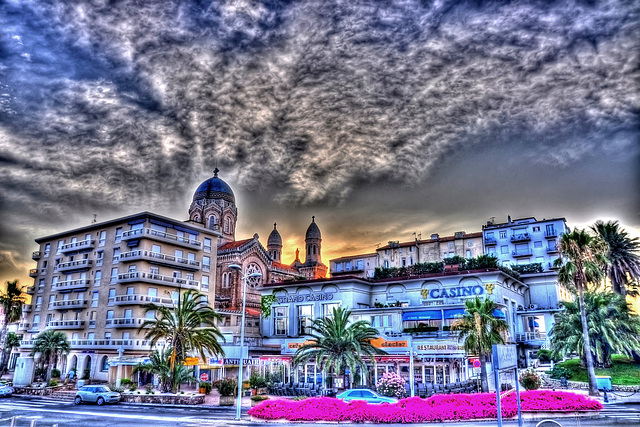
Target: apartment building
(92, 283)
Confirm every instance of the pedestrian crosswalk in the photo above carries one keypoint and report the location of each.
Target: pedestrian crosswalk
(622, 412)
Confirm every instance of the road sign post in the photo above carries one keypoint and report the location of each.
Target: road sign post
(505, 357)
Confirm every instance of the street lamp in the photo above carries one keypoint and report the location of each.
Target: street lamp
(244, 302)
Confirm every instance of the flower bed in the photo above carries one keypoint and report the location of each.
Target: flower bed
(451, 407)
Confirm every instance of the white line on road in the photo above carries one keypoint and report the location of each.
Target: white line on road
(111, 415)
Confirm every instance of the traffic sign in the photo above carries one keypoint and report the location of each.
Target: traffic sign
(204, 376)
(477, 363)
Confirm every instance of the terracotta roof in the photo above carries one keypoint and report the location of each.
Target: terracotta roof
(439, 239)
(233, 245)
(353, 256)
(282, 266)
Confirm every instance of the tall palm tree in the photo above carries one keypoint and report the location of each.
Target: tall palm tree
(623, 256)
(158, 364)
(581, 256)
(50, 345)
(188, 326)
(613, 326)
(480, 329)
(336, 344)
(11, 300)
(12, 341)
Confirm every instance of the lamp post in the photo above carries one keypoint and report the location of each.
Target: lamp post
(244, 301)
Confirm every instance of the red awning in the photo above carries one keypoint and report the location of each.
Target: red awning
(253, 311)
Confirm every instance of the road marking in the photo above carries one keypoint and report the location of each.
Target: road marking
(112, 415)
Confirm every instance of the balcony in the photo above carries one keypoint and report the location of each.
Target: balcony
(125, 322)
(490, 241)
(160, 258)
(552, 250)
(140, 299)
(27, 343)
(33, 328)
(77, 246)
(531, 337)
(71, 285)
(67, 324)
(130, 344)
(160, 236)
(27, 308)
(33, 272)
(31, 290)
(158, 279)
(550, 234)
(522, 237)
(23, 326)
(35, 255)
(553, 267)
(81, 264)
(523, 253)
(70, 304)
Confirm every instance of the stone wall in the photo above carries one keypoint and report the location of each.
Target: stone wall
(164, 399)
(577, 385)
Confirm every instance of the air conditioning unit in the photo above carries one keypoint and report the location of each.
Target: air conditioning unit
(533, 306)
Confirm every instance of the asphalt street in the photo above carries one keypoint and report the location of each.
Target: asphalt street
(48, 413)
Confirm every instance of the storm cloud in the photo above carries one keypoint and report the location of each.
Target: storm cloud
(111, 104)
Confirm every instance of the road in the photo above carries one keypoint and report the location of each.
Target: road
(48, 413)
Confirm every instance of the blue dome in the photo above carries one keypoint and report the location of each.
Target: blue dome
(214, 188)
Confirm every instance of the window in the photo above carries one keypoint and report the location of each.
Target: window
(38, 303)
(112, 293)
(206, 263)
(504, 249)
(107, 335)
(94, 299)
(537, 244)
(550, 230)
(281, 320)
(52, 298)
(44, 264)
(127, 313)
(125, 335)
(116, 255)
(470, 244)
(177, 274)
(386, 263)
(47, 249)
(155, 249)
(404, 262)
(114, 275)
(150, 315)
(360, 264)
(450, 245)
(104, 365)
(98, 278)
(179, 254)
(503, 234)
(132, 268)
(60, 243)
(212, 222)
(36, 320)
(227, 225)
(207, 244)
(103, 238)
(327, 309)
(305, 315)
(130, 290)
(205, 283)
(382, 321)
(118, 235)
(536, 229)
(91, 336)
(225, 280)
(110, 314)
(152, 292)
(190, 276)
(468, 253)
(99, 258)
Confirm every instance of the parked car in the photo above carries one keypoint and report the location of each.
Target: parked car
(99, 394)
(6, 390)
(368, 396)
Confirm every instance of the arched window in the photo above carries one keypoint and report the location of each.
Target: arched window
(104, 365)
(314, 249)
(212, 222)
(196, 218)
(227, 225)
(309, 250)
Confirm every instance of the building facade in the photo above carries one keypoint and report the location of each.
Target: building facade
(91, 284)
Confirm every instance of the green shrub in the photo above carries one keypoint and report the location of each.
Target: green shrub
(125, 382)
(148, 388)
(55, 373)
(560, 371)
(259, 398)
(85, 374)
(257, 381)
(535, 267)
(207, 386)
(530, 380)
(52, 383)
(545, 356)
(133, 386)
(227, 387)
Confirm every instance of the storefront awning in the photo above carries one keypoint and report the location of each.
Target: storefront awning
(422, 315)
(453, 313)
(499, 313)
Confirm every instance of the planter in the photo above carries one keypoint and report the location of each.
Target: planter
(202, 390)
(262, 390)
(227, 400)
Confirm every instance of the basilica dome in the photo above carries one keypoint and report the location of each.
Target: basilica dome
(313, 232)
(274, 238)
(214, 188)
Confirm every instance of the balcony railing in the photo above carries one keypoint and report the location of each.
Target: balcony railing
(33, 272)
(522, 237)
(159, 279)
(31, 289)
(36, 255)
(23, 326)
(27, 308)
(140, 299)
(69, 304)
(77, 246)
(81, 264)
(550, 234)
(489, 241)
(531, 336)
(71, 285)
(521, 253)
(67, 324)
(160, 258)
(161, 236)
(552, 250)
(125, 322)
(131, 344)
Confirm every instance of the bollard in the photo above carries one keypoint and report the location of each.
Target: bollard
(606, 398)
(13, 421)
(33, 423)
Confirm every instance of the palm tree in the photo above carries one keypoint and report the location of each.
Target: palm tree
(623, 257)
(480, 329)
(613, 326)
(51, 345)
(12, 341)
(11, 301)
(188, 326)
(336, 344)
(158, 365)
(581, 256)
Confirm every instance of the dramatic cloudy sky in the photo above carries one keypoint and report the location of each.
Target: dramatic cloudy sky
(382, 118)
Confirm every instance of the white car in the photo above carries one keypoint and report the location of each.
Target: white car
(6, 390)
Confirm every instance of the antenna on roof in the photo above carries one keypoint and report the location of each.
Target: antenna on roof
(95, 219)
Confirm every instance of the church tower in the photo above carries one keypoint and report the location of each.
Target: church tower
(313, 243)
(274, 245)
(214, 206)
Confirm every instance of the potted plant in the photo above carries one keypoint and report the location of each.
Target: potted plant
(256, 400)
(227, 388)
(204, 387)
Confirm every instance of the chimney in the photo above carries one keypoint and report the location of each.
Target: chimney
(459, 234)
(434, 237)
(509, 219)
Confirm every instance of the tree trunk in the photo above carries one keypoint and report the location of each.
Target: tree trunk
(3, 337)
(593, 385)
(483, 372)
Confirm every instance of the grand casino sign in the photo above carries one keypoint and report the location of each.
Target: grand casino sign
(470, 289)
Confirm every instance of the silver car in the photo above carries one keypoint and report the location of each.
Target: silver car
(5, 390)
(99, 394)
